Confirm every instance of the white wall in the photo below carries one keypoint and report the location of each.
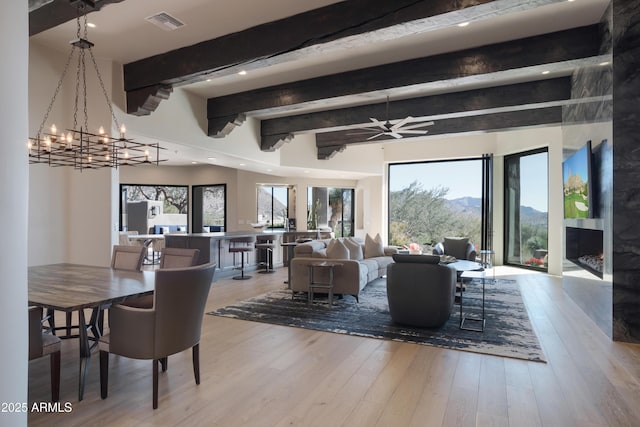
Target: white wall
(14, 179)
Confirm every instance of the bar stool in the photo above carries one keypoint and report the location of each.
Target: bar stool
(267, 242)
(241, 245)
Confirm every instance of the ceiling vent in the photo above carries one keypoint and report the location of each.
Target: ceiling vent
(165, 21)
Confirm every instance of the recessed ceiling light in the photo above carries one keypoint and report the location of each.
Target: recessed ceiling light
(306, 171)
(463, 24)
(602, 64)
(243, 164)
(211, 158)
(208, 80)
(269, 170)
(546, 72)
(194, 163)
(91, 25)
(242, 72)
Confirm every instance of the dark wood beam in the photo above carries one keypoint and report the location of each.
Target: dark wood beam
(353, 18)
(274, 132)
(326, 24)
(58, 12)
(550, 48)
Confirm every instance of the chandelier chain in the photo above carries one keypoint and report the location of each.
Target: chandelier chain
(55, 93)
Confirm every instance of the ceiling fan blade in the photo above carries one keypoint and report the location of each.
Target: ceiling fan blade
(413, 132)
(401, 123)
(418, 125)
(395, 135)
(375, 136)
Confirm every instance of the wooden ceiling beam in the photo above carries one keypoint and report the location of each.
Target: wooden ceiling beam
(330, 23)
(274, 132)
(58, 12)
(574, 44)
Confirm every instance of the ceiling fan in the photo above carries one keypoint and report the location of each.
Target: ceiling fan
(397, 130)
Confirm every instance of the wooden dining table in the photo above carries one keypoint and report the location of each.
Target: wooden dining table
(73, 287)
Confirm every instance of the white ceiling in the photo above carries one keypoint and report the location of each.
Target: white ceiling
(122, 34)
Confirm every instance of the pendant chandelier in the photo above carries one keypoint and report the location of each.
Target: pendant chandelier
(78, 147)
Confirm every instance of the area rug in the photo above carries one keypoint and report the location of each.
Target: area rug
(508, 331)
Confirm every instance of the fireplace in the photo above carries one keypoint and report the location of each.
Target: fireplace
(583, 247)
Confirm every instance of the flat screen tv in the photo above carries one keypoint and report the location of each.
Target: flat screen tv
(576, 180)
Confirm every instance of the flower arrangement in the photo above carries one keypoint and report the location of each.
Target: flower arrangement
(536, 262)
(415, 248)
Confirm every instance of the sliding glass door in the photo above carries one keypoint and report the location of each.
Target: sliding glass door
(526, 209)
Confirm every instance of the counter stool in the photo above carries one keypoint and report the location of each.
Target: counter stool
(267, 242)
(241, 245)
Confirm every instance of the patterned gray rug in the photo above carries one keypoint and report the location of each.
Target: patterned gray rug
(507, 332)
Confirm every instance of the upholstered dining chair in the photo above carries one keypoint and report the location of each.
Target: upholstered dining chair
(127, 257)
(179, 257)
(44, 344)
(170, 258)
(171, 326)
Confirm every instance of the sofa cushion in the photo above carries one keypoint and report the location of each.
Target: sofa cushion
(373, 247)
(337, 250)
(355, 249)
(456, 246)
(421, 259)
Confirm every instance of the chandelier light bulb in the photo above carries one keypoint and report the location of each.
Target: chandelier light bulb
(146, 155)
(101, 131)
(47, 143)
(54, 129)
(29, 146)
(123, 130)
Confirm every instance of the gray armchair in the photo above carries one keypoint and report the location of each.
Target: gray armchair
(458, 247)
(420, 291)
(171, 326)
(170, 258)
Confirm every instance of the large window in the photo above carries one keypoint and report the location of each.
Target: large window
(526, 209)
(153, 208)
(209, 206)
(331, 208)
(273, 205)
(432, 200)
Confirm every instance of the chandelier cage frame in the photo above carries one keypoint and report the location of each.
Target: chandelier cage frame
(78, 147)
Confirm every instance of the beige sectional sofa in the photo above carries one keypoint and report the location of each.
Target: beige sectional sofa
(363, 261)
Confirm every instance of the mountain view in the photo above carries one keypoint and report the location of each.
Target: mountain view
(473, 205)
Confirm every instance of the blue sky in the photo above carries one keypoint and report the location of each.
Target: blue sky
(577, 164)
(464, 178)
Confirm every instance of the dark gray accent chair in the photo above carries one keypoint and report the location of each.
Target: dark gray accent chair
(458, 247)
(420, 291)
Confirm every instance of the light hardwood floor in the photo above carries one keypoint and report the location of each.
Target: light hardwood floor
(256, 374)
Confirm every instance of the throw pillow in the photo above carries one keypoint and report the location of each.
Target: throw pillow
(355, 249)
(456, 246)
(420, 259)
(337, 250)
(373, 247)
